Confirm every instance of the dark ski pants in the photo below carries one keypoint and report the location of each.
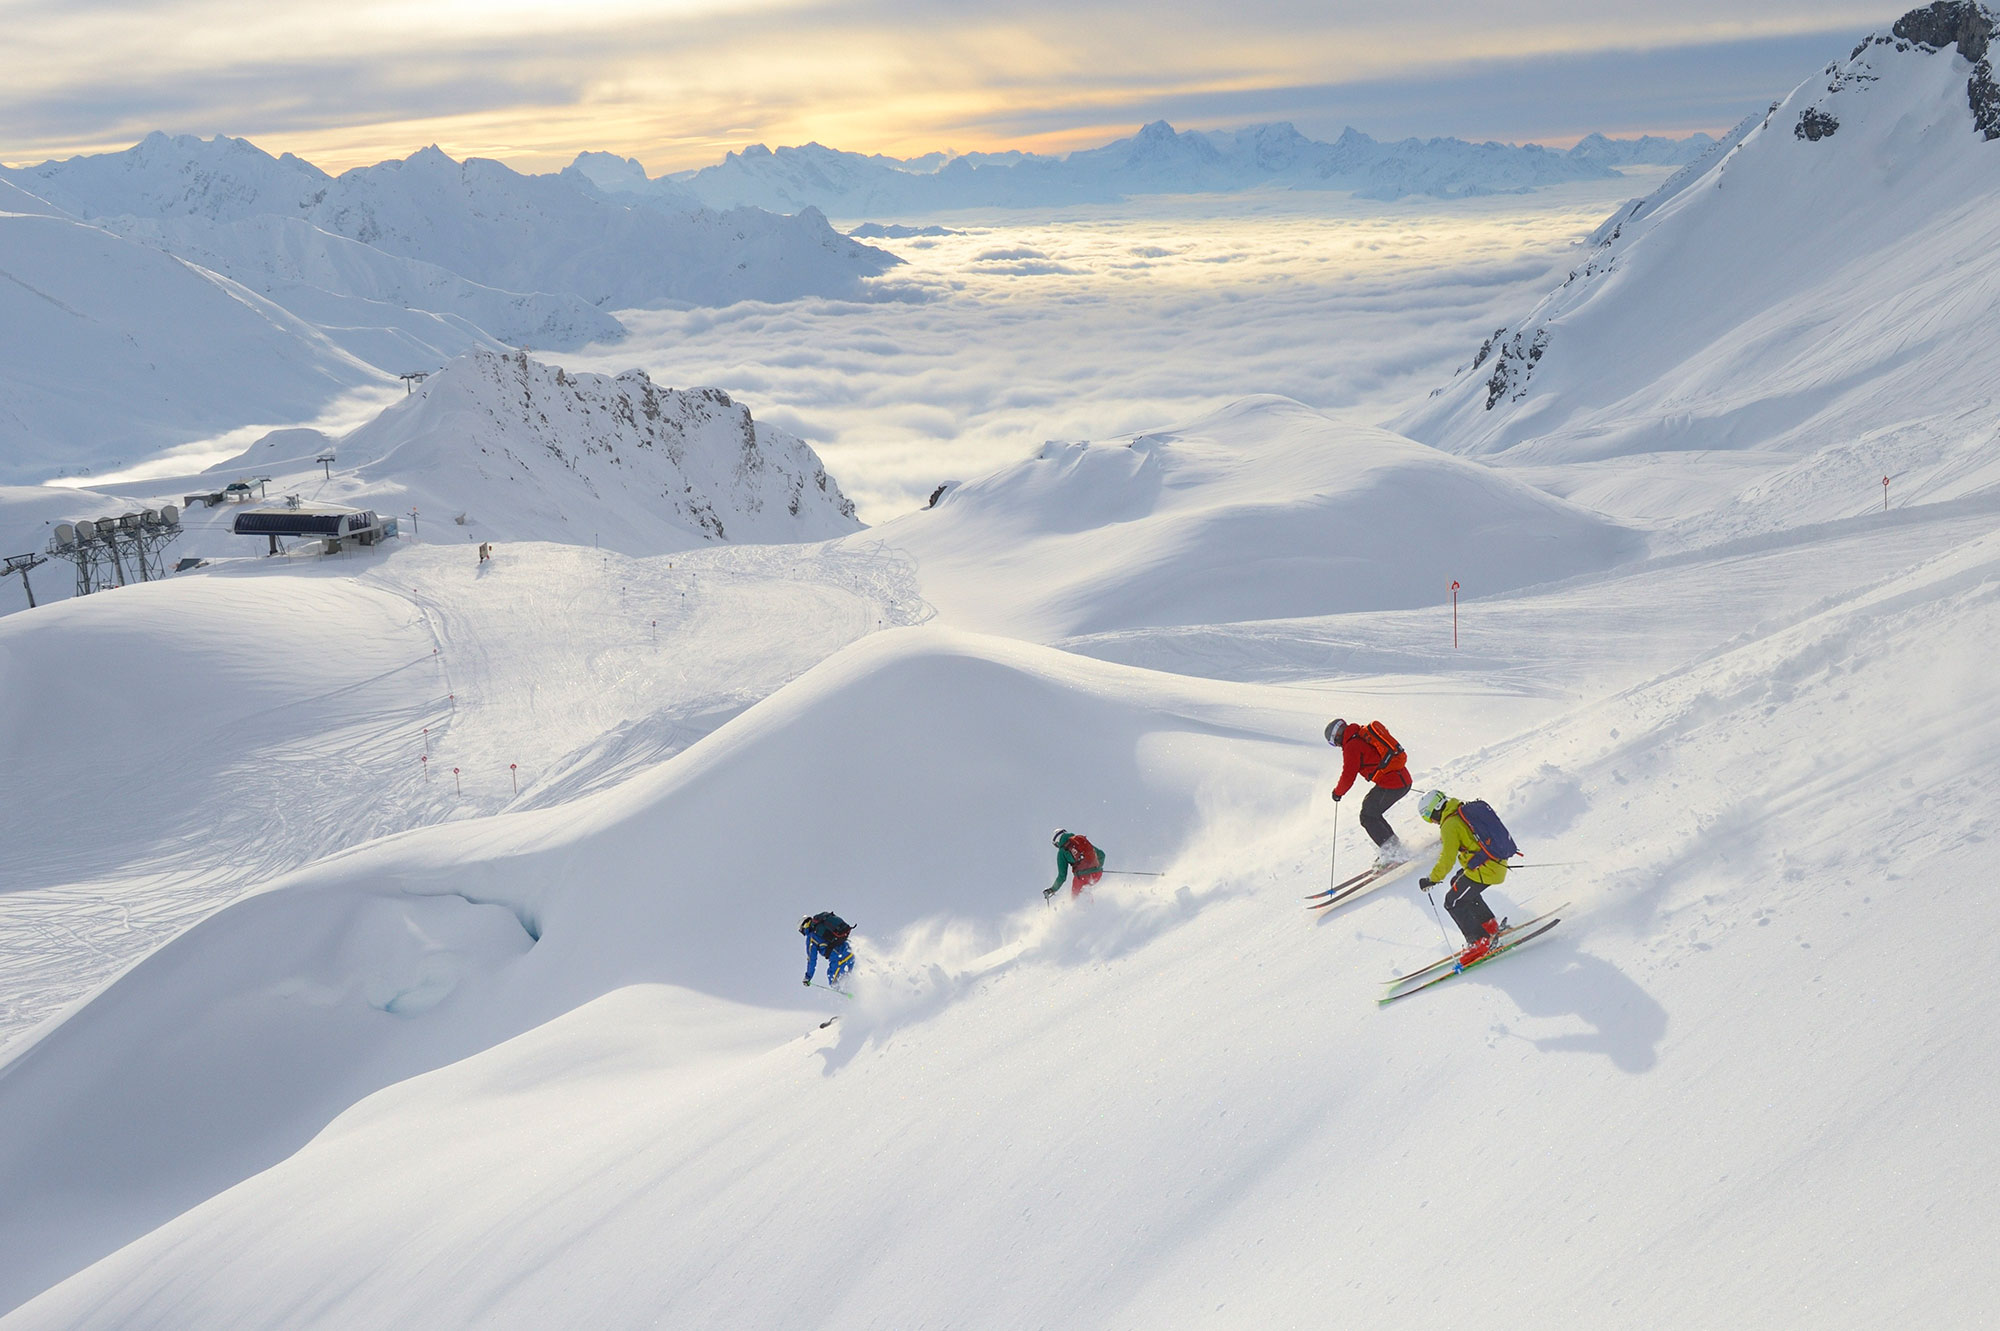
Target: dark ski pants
(1468, 908)
(1380, 800)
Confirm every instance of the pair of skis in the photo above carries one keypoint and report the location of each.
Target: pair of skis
(1511, 936)
(1349, 888)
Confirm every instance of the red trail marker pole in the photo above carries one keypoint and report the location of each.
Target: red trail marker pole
(426, 761)
(1885, 494)
(514, 770)
(456, 784)
(1454, 614)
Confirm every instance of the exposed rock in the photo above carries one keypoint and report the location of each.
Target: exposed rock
(1815, 125)
(1518, 359)
(1948, 23)
(1984, 95)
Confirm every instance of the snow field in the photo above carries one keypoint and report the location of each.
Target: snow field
(272, 712)
(1177, 1097)
(1183, 1103)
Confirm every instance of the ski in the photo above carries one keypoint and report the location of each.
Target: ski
(1457, 970)
(842, 992)
(1343, 883)
(1363, 885)
(829, 1021)
(1505, 930)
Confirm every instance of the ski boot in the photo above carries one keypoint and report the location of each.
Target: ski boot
(1391, 852)
(1481, 946)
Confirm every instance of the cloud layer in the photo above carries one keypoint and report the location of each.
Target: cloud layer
(1098, 323)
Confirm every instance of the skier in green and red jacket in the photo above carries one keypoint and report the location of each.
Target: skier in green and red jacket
(1075, 855)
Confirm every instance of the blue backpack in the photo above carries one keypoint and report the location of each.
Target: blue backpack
(1495, 841)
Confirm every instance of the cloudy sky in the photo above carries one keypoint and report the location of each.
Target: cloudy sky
(677, 82)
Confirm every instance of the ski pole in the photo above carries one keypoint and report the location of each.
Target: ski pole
(1549, 864)
(1444, 937)
(1133, 873)
(1333, 859)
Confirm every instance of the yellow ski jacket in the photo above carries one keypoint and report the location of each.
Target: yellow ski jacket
(1459, 848)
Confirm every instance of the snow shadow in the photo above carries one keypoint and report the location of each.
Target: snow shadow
(1625, 1023)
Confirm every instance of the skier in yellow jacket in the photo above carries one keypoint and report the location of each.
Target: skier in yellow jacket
(1479, 871)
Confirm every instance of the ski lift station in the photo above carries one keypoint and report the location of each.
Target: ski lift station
(321, 522)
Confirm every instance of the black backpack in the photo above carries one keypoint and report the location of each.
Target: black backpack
(830, 929)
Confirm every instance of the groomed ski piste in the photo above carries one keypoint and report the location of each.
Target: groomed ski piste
(329, 1041)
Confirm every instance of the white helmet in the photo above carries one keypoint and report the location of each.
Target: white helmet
(1062, 835)
(1431, 805)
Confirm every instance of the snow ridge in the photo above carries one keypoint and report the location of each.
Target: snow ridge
(1751, 301)
(527, 451)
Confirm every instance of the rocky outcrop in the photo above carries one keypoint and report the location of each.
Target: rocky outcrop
(1984, 96)
(1815, 125)
(1948, 23)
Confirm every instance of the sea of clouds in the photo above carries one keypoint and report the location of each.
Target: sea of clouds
(1092, 323)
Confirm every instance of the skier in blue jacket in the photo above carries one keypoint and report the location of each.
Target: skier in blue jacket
(826, 936)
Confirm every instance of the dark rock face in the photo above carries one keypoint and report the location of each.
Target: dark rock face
(1948, 23)
(1815, 125)
(1517, 365)
(1984, 96)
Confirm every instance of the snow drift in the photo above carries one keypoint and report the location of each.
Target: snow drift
(418, 950)
(1267, 509)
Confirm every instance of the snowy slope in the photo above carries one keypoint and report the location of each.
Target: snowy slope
(1821, 291)
(111, 351)
(1183, 1087)
(1265, 510)
(526, 451)
(355, 291)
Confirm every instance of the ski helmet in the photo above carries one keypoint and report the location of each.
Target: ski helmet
(805, 924)
(1336, 729)
(1431, 805)
(1062, 835)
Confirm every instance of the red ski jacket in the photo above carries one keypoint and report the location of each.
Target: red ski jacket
(1361, 755)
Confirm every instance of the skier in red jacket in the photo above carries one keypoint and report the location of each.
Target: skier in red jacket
(1371, 751)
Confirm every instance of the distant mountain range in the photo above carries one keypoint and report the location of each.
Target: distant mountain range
(1157, 160)
(186, 287)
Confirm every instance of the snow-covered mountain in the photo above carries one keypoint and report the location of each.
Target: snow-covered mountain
(1821, 289)
(111, 351)
(376, 272)
(503, 447)
(477, 219)
(1156, 160)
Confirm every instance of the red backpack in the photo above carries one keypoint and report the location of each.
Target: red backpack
(1389, 754)
(1082, 852)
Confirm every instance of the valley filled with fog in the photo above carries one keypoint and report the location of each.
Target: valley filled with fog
(1098, 320)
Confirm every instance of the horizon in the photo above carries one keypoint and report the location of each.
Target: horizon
(677, 85)
(1563, 144)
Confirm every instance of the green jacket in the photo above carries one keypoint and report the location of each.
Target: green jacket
(1066, 862)
(1459, 847)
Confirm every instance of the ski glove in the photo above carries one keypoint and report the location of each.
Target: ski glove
(1048, 892)
(1336, 798)
(808, 982)
(1425, 884)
